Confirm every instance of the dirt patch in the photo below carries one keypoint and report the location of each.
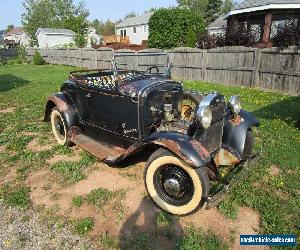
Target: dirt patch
(34, 146)
(247, 222)
(274, 170)
(2, 148)
(137, 212)
(10, 176)
(8, 110)
(58, 158)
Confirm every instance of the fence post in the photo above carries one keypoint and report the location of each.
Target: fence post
(204, 62)
(256, 63)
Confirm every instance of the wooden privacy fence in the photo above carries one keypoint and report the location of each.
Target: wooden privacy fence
(262, 68)
(7, 53)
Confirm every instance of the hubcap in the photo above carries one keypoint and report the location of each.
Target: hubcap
(172, 186)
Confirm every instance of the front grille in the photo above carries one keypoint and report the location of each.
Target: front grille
(211, 138)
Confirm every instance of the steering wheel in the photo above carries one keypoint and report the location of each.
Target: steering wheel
(150, 69)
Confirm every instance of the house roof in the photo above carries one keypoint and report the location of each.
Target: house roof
(49, 31)
(138, 20)
(258, 5)
(15, 31)
(219, 23)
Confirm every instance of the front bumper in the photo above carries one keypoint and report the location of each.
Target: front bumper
(214, 200)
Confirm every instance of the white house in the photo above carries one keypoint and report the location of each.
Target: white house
(218, 26)
(48, 38)
(136, 28)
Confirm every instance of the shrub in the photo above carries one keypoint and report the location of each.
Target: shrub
(174, 27)
(191, 38)
(22, 53)
(211, 41)
(240, 36)
(80, 40)
(286, 35)
(38, 59)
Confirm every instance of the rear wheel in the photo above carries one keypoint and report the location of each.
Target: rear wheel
(59, 128)
(174, 185)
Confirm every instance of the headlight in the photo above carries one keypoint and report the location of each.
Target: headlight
(235, 104)
(204, 116)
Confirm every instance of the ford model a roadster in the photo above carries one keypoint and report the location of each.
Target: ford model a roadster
(114, 114)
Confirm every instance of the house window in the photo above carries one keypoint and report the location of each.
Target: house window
(134, 30)
(123, 33)
(145, 28)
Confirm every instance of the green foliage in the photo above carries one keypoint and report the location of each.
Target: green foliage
(196, 239)
(108, 241)
(54, 14)
(9, 27)
(191, 38)
(22, 53)
(80, 40)
(77, 201)
(83, 226)
(227, 6)
(15, 196)
(99, 197)
(208, 9)
(104, 28)
(70, 172)
(38, 59)
(168, 28)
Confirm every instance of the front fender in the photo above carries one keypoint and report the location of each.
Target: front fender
(185, 147)
(234, 132)
(62, 102)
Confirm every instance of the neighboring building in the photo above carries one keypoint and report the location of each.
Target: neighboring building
(48, 38)
(12, 38)
(93, 37)
(24, 39)
(263, 16)
(218, 26)
(136, 28)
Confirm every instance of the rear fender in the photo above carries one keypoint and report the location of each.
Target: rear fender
(234, 133)
(62, 102)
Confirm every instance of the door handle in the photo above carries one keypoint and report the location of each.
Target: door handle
(88, 95)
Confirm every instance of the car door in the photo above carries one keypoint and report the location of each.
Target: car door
(82, 94)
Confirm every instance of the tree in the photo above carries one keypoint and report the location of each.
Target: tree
(131, 14)
(54, 14)
(227, 6)
(208, 9)
(104, 28)
(174, 27)
(10, 27)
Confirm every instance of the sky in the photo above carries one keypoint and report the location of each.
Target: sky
(10, 11)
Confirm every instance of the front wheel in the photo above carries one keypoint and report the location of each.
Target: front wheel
(59, 128)
(174, 185)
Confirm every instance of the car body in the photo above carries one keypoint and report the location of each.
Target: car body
(115, 114)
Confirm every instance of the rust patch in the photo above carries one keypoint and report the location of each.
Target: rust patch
(237, 120)
(62, 105)
(175, 148)
(201, 150)
(225, 157)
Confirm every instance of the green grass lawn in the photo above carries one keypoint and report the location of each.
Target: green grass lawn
(276, 197)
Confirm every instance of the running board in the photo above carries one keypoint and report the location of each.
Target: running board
(101, 150)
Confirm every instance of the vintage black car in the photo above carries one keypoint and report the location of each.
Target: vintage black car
(116, 114)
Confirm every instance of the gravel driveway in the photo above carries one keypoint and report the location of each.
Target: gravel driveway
(25, 229)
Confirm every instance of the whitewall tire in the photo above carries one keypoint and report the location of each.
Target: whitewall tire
(174, 185)
(59, 128)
